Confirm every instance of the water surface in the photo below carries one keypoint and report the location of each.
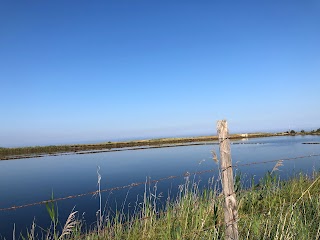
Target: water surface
(34, 179)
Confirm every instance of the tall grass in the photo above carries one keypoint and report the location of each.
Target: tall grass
(271, 209)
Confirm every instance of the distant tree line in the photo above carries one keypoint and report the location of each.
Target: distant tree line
(293, 132)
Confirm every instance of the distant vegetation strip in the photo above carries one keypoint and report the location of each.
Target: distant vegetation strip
(40, 151)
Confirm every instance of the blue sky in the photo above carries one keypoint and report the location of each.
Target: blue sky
(85, 71)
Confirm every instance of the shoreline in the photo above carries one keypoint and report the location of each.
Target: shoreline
(58, 150)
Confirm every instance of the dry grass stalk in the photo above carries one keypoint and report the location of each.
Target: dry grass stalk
(14, 232)
(32, 231)
(214, 156)
(70, 224)
(276, 167)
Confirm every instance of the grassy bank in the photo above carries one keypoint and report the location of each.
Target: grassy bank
(272, 209)
(39, 151)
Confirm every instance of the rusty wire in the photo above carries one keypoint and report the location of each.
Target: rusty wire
(271, 161)
(147, 182)
(106, 190)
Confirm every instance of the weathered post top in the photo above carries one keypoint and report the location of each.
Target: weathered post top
(222, 129)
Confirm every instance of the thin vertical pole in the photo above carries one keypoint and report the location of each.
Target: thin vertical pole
(230, 204)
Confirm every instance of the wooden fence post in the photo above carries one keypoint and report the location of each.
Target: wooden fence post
(230, 204)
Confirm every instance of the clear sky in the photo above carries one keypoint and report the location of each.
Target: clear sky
(81, 71)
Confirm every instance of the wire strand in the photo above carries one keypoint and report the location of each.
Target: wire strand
(147, 182)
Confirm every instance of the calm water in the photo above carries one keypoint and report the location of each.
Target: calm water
(32, 180)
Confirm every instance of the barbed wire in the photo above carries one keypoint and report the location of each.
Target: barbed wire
(186, 174)
(107, 190)
(277, 160)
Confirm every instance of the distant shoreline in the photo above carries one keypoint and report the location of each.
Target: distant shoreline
(56, 150)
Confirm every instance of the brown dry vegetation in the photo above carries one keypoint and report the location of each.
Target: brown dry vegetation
(40, 151)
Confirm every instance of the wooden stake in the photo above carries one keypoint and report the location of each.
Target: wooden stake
(230, 204)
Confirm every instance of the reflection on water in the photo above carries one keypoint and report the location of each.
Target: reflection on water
(34, 179)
